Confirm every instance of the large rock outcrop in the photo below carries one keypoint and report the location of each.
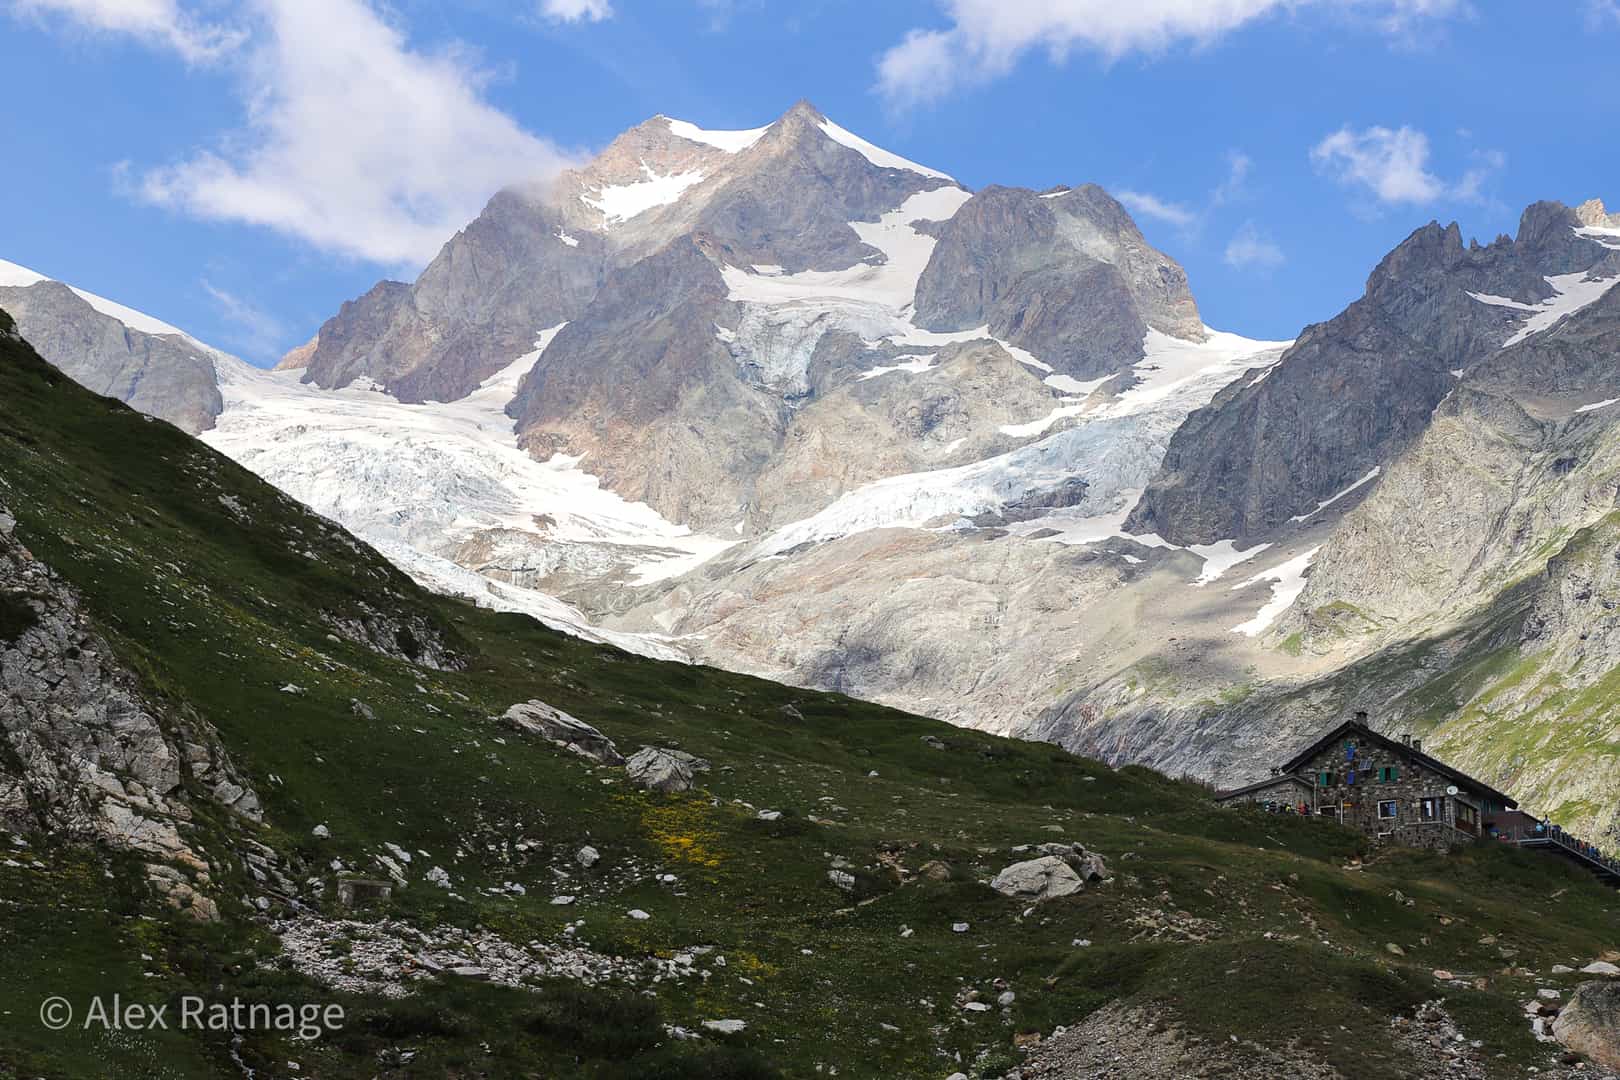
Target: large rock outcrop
(168, 376)
(84, 755)
(1354, 392)
(1590, 1023)
(1066, 275)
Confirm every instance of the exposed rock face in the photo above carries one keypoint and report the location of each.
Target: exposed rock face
(1594, 215)
(1508, 457)
(1590, 1023)
(168, 376)
(412, 638)
(659, 769)
(1066, 275)
(1354, 392)
(643, 387)
(576, 736)
(475, 308)
(84, 756)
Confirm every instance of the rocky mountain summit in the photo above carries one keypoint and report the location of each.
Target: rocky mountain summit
(1354, 392)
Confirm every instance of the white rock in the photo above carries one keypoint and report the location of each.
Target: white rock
(321, 832)
(562, 901)
(587, 856)
(726, 1027)
(639, 915)
(1040, 879)
(1600, 967)
(959, 928)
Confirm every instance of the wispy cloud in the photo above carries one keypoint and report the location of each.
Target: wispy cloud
(1252, 249)
(1187, 218)
(1145, 205)
(256, 334)
(352, 140)
(1392, 164)
(576, 10)
(1238, 167)
(986, 39)
(159, 23)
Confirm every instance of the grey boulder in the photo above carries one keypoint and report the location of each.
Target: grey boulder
(557, 727)
(1088, 864)
(1590, 1023)
(658, 769)
(1046, 878)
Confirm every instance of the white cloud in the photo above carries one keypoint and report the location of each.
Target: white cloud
(1487, 162)
(1250, 248)
(987, 38)
(576, 10)
(1393, 164)
(258, 333)
(353, 141)
(161, 23)
(1139, 202)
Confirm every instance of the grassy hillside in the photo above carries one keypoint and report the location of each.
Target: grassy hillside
(219, 592)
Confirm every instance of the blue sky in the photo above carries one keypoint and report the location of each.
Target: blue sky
(242, 169)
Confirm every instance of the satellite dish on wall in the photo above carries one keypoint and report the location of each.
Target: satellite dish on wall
(1452, 790)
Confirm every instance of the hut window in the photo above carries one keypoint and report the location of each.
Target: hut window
(1429, 809)
(1388, 809)
(1388, 774)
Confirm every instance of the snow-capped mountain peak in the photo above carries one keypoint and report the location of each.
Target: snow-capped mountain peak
(13, 276)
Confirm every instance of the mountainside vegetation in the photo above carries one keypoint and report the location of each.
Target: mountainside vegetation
(824, 883)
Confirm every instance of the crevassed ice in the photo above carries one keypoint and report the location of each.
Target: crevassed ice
(430, 477)
(786, 315)
(1115, 448)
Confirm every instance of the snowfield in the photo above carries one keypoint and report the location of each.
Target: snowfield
(1288, 581)
(1573, 292)
(620, 202)
(732, 142)
(786, 315)
(1372, 475)
(878, 156)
